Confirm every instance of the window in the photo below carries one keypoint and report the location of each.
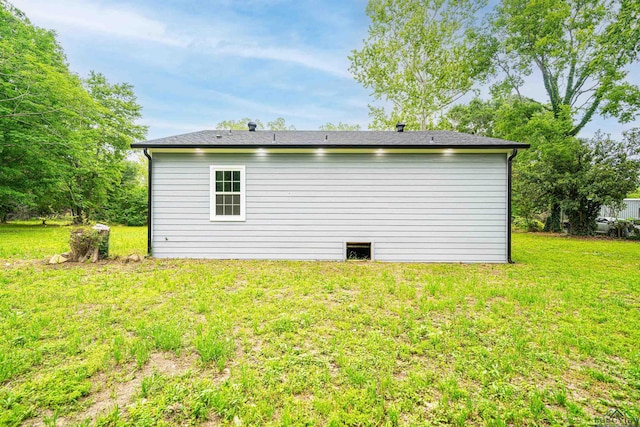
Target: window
(227, 193)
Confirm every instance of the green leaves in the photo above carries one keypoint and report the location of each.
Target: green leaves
(582, 51)
(242, 124)
(63, 140)
(238, 124)
(420, 57)
(339, 126)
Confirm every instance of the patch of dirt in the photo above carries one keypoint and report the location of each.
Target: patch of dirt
(213, 422)
(169, 364)
(118, 395)
(334, 369)
(400, 375)
(10, 264)
(118, 388)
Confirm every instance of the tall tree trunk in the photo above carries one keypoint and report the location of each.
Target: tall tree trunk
(583, 219)
(77, 215)
(553, 223)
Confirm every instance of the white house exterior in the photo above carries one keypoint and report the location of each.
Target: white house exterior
(432, 196)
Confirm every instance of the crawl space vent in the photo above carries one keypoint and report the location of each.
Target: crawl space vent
(358, 251)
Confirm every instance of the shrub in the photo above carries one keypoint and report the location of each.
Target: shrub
(127, 203)
(525, 224)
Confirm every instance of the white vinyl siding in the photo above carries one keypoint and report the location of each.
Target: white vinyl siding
(415, 207)
(631, 209)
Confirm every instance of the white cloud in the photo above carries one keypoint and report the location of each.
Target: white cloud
(314, 60)
(97, 17)
(216, 38)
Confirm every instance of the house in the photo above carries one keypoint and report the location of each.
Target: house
(631, 210)
(432, 196)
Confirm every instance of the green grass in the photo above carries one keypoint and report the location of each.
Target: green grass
(551, 340)
(31, 240)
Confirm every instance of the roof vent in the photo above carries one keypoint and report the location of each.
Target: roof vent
(252, 126)
(400, 127)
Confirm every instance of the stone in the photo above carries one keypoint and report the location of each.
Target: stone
(58, 259)
(133, 258)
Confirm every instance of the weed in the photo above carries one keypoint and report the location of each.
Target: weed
(51, 420)
(151, 385)
(118, 348)
(165, 336)
(214, 345)
(140, 349)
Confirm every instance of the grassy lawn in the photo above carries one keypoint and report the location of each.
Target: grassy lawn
(551, 340)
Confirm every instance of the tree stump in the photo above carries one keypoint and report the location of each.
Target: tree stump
(89, 243)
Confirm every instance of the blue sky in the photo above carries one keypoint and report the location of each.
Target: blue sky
(196, 63)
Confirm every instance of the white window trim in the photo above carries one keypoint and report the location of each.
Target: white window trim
(212, 193)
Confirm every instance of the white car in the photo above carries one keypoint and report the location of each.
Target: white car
(607, 225)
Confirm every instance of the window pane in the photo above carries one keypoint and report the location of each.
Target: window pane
(227, 192)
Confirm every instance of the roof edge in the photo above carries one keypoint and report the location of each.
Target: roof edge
(332, 146)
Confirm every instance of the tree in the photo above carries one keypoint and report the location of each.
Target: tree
(127, 202)
(608, 171)
(62, 140)
(421, 56)
(634, 194)
(581, 49)
(238, 124)
(41, 101)
(339, 126)
(577, 176)
(280, 124)
(277, 124)
(105, 137)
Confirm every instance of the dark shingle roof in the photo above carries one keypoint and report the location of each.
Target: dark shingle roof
(337, 139)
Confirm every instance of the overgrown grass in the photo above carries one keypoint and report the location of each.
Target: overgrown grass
(551, 340)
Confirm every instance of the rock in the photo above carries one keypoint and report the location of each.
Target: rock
(133, 258)
(58, 259)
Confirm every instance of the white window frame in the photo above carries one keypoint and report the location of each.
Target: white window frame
(212, 193)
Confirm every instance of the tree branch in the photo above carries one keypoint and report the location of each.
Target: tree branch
(39, 113)
(587, 116)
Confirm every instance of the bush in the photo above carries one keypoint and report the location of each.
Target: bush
(127, 202)
(525, 224)
(130, 209)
